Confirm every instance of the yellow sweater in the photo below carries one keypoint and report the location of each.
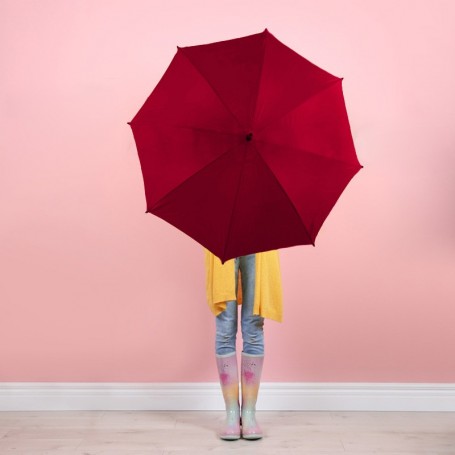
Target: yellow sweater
(268, 296)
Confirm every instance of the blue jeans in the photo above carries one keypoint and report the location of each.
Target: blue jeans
(252, 325)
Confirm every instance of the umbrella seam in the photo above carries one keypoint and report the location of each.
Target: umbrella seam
(208, 130)
(309, 152)
(157, 203)
(211, 86)
(260, 80)
(325, 87)
(233, 206)
(287, 196)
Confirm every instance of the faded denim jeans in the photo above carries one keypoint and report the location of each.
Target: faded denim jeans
(252, 325)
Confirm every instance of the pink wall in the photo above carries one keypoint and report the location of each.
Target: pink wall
(93, 289)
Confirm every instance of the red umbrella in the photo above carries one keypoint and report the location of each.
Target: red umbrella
(244, 145)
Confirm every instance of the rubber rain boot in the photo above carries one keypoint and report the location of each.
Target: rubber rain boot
(229, 381)
(251, 370)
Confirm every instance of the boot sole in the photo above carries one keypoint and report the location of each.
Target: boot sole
(230, 437)
(252, 436)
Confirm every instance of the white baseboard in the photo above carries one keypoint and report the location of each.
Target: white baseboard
(281, 396)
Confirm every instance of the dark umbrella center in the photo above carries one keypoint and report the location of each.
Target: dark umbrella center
(249, 137)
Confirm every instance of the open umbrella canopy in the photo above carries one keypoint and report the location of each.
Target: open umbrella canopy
(245, 145)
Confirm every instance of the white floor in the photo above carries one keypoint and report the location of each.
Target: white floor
(194, 433)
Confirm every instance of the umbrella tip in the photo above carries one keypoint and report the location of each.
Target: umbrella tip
(128, 123)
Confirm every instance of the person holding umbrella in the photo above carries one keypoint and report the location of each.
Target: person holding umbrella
(245, 146)
(254, 282)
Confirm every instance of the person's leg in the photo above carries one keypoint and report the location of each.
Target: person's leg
(253, 350)
(252, 324)
(226, 360)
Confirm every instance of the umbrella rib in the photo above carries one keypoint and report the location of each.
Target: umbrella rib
(286, 195)
(211, 86)
(309, 152)
(233, 206)
(259, 77)
(325, 87)
(157, 203)
(207, 130)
